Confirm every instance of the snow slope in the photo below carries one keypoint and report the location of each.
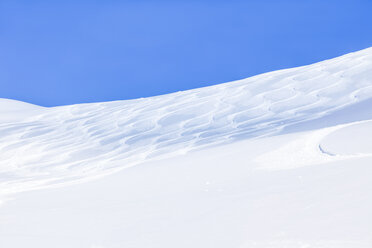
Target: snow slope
(281, 159)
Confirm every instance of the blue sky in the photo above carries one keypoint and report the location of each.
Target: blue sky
(64, 52)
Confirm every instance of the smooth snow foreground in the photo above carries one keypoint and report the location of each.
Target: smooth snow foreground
(282, 159)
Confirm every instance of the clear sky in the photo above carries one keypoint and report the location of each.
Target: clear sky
(73, 51)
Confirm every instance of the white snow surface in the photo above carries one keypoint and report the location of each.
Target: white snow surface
(282, 159)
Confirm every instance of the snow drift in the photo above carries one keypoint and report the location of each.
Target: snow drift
(276, 160)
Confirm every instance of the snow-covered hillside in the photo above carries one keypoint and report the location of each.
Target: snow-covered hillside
(282, 159)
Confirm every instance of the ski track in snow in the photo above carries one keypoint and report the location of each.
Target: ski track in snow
(308, 148)
(52, 146)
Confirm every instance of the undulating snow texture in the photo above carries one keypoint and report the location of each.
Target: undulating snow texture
(279, 160)
(50, 146)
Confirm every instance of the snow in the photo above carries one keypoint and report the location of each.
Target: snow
(281, 159)
(16, 111)
(349, 140)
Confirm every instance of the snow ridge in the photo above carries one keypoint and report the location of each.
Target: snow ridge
(51, 146)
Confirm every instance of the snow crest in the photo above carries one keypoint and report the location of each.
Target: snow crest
(51, 146)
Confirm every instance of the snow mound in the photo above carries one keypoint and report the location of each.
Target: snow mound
(70, 143)
(282, 159)
(16, 111)
(354, 139)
